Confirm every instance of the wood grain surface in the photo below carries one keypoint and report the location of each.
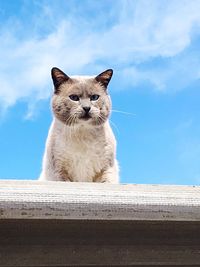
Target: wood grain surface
(83, 224)
(61, 200)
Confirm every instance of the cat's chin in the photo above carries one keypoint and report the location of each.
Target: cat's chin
(89, 122)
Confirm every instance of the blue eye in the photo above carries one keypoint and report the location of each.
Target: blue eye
(94, 97)
(74, 97)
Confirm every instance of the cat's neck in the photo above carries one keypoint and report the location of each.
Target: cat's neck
(82, 129)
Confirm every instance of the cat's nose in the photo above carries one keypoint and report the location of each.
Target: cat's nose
(86, 109)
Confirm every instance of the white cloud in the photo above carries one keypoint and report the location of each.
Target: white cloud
(128, 36)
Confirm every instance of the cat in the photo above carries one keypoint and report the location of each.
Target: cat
(80, 146)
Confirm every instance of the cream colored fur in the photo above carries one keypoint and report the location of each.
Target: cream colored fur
(80, 153)
(85, 151)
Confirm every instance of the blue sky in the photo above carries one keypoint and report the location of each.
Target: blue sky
(153, 47)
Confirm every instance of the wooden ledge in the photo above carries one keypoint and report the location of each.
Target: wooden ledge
(76, 224)
(89, 201)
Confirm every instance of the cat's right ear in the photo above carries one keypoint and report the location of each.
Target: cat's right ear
(58, 77)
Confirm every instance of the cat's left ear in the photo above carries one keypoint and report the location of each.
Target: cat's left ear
(104, 77)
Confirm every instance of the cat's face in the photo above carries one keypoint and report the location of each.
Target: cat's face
(81, 100)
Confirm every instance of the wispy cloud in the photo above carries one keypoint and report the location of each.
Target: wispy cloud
(151, 41)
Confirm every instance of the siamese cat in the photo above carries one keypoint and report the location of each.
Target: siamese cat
(80, 146)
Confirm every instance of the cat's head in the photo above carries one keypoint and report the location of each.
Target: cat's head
(82, 99)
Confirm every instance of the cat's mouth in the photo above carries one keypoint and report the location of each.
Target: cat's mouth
(85, 117)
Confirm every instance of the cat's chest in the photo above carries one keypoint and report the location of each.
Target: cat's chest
(83, 159)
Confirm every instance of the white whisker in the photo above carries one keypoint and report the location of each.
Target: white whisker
(115, 126)
(123, 112)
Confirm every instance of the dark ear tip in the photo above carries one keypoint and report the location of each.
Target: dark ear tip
(110, 70)
(54, 69)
